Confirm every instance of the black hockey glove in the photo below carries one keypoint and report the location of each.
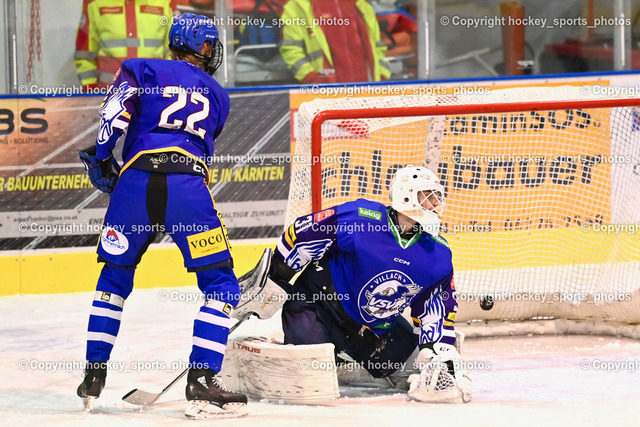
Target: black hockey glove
(103, 174)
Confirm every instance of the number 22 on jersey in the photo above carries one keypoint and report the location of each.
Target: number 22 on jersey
(181, 106)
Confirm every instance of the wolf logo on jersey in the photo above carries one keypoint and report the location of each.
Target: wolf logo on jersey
(387, 295)
(111, 110)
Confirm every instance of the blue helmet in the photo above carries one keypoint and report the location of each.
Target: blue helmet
(189, 32)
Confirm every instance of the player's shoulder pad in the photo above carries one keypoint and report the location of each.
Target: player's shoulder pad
(365, 209)
(133, 63)
(133, 67)
(214, 89)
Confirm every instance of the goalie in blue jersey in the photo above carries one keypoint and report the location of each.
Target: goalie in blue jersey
(365, 264)
(172, 112)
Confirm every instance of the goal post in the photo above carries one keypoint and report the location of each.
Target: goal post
(542, 186)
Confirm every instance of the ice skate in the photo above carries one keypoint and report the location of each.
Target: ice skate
(95, 375)
(208, 397)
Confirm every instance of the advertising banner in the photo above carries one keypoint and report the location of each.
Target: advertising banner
(47, 201)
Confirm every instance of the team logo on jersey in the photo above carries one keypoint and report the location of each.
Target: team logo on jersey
(113, 242)
(386, 295)
(305, 252)
(111, 110)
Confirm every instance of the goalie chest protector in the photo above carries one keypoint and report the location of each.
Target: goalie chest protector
(376, 274)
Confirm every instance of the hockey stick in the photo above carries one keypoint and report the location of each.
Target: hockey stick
(144, 398)
(262, 295)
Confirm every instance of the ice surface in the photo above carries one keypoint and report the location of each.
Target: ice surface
(548, 381)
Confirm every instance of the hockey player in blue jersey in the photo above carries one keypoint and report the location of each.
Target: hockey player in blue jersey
(365, 264)
(172, 112)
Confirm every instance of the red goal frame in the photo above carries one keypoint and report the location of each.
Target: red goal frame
(435, 110)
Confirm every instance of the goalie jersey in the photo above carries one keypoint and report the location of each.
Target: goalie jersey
(378, 274)
(184, 118)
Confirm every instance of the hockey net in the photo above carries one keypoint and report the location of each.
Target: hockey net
(542, 195)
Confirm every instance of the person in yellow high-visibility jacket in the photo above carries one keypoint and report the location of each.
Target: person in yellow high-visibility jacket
(327, 41)
(111, 31)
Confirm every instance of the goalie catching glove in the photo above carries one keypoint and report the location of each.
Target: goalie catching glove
(442, 377)
(103, 174)
(261, 295)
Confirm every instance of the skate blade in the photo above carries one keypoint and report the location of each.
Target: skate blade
(203, 410)
(88, 402)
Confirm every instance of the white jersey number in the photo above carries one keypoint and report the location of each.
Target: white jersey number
(179, 104)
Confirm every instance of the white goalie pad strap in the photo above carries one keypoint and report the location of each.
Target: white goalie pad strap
(299, 374)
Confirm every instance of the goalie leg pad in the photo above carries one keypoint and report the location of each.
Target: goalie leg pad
(299, 374)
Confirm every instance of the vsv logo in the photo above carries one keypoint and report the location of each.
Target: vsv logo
(387, 295)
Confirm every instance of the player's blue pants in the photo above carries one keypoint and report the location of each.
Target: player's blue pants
(313, 316)
(180, 205)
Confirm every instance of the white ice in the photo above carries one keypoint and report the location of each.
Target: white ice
(530, 381)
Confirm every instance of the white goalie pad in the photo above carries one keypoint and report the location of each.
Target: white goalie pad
(298, 374)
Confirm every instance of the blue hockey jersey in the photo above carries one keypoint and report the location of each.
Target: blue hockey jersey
(160, 116)
(376, 272)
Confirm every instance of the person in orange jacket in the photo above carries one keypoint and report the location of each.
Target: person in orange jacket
(111, 31)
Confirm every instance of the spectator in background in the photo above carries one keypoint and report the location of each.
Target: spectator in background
(329, 41)
(111, 31)
(203, 7)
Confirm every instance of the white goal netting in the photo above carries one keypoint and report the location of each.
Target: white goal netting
(543, 190)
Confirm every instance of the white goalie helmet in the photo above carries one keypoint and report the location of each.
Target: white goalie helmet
(412, 185)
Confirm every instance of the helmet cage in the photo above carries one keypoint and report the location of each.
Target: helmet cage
(412, 185)
(190, 32)
(213, 62)
(428, 196)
